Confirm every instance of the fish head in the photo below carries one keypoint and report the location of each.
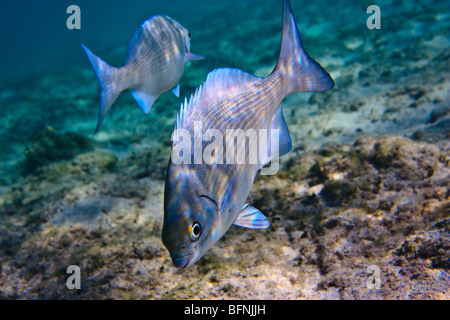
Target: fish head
(185, 35)
(182, 32)
(187, 46)
(190, 222)
(187, 39)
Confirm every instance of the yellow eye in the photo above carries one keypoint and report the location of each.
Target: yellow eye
(195, 230)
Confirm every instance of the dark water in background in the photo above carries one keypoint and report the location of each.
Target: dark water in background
(46, 79)
(37, 39)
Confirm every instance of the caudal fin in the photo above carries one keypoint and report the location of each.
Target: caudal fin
(304, 73)
(108, 81)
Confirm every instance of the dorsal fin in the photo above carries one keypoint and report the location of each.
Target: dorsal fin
(187, 107)
(218, 83)
(225, 80)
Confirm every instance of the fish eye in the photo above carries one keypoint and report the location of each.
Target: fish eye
(189, 34)
(195, 230)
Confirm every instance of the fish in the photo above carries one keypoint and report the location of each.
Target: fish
(202, 200)
(157, 54)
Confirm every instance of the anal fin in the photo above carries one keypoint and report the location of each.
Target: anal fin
(144, 100)
(284, 138)
(176, 90)
(279, 138)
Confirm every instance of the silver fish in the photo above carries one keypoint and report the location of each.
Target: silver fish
(157, 54)
(202, 201)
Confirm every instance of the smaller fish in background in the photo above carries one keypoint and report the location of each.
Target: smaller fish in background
(157, 54)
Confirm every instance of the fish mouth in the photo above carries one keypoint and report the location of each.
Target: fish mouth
(181, 262)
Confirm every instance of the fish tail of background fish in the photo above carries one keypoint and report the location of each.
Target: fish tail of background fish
(297, 70)
(112, 82)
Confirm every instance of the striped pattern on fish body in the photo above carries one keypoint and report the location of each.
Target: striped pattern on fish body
(220, 106)
(202, 201)
(156, 57)
(157, 54)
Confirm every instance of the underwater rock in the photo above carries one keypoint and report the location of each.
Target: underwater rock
(432, 247)
(27, 126)
(151, 163)
(101, 160)
(435, 115)
(382, 202)
(50, 146)
(336, 192)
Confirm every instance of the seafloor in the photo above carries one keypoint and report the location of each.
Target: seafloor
(367, 182)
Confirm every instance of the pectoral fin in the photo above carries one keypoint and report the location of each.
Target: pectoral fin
(252, 218)
(193, 56)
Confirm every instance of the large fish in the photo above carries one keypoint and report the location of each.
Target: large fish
(202, 201)
(157, 53)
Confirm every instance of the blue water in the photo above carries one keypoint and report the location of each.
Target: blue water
(38, 40)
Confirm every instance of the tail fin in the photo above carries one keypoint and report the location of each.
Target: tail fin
(305, 73)
(107, 77)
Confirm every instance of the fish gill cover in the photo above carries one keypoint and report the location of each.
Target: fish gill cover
(366, 183)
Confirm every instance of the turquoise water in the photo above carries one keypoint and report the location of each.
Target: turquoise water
(46, 80)
(393, 81)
